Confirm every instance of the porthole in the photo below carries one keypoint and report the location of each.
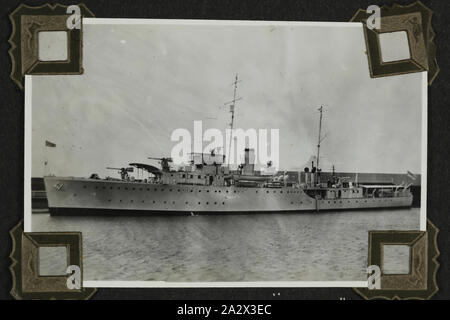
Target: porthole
(199, 202)
(84, 187)
(223, 203)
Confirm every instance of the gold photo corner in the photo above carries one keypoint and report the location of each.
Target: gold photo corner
(27, 22)
(420, 283)
(415, 20)
(27, 283)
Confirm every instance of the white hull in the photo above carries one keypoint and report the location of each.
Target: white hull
(70, 195)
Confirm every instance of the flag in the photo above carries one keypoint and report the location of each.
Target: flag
(50, 144)
(411, 175)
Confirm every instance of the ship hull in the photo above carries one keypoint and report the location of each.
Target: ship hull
(78, 196)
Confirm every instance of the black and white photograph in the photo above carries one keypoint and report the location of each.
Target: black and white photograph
(194, 153)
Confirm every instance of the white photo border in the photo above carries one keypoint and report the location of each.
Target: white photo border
(255, 284)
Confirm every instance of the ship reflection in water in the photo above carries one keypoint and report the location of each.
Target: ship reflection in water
(261, 247)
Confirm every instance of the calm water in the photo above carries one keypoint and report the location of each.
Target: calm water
(264, 247)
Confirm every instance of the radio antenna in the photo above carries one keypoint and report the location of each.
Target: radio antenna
(320, 139)
(232, 104)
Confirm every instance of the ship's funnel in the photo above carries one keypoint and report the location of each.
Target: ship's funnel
(249, 156)
(249, 162)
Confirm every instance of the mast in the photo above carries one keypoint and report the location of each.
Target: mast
(320, 131)
(232, 106)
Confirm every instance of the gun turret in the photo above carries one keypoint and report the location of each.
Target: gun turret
(164, 162)
(123, 172)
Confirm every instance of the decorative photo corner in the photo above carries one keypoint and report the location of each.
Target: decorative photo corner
(406, 30)
(416, 279)
(46, 40)
(30, 281)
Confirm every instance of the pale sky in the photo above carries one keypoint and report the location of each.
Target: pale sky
(141, 82)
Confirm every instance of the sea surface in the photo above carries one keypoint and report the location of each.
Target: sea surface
(259, 247)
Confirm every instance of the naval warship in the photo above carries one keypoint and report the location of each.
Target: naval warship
(208, 186)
